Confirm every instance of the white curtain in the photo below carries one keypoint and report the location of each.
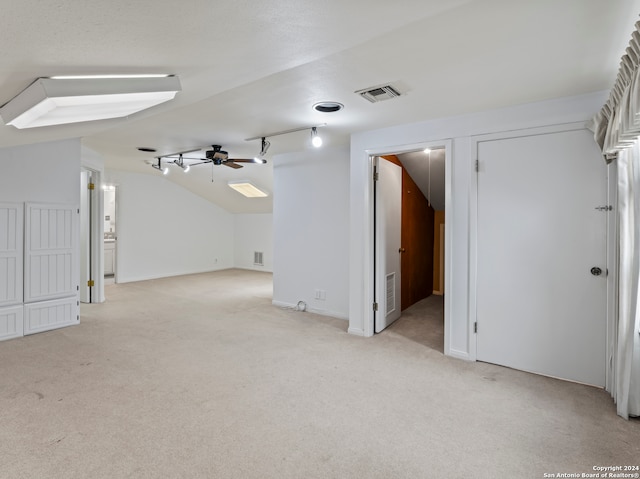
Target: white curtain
(617, 130)
(626, 390)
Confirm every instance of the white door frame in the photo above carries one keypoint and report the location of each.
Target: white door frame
(447, 144)
(473, 223)
(97, 234)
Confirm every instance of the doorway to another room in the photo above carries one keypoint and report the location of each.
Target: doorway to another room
(409, 223)
(110, 234)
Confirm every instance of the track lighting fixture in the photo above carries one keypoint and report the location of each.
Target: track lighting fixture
(316, 140)
(180, 163)
(263, 151)
(265, 146)
(159, 167)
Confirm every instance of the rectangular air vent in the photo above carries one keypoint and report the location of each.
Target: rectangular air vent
(379, 93)
(257, 258)
(391, 293)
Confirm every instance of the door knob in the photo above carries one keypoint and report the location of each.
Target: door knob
(401, 250)
(596, 271)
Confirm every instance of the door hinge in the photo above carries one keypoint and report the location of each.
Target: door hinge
(477, 165)
(91, 186)
(90, 283)
(376, 176)
(475, 327)
(375, 306)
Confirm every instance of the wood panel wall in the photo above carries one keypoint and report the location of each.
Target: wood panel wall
(417, 240)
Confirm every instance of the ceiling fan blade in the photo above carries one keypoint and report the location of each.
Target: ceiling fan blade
(231, 164)
(247, 160)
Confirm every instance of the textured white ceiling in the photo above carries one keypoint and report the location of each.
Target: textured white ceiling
(251, 68)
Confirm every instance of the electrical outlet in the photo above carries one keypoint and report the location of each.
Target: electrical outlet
(321, 294)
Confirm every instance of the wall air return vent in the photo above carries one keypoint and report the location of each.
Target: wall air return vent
(379, 93)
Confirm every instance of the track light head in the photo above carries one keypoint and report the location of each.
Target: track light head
(316, 140)
(265, 146)
(158, 166)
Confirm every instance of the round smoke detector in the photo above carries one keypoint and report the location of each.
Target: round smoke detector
(328, 106)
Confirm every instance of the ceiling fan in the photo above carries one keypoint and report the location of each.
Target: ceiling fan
(215, 156)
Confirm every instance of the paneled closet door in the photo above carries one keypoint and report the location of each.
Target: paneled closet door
(51, 252)
(11, 241)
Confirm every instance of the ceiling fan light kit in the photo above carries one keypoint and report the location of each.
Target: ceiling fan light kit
(62, 100)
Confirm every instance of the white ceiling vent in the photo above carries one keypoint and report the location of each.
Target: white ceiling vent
(379, 93)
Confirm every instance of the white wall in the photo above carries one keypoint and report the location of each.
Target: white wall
(43, 172)
(311, 230)
(165, 230)
(459, 339)
(252, 233)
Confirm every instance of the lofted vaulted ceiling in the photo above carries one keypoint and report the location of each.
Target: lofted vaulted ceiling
(252, 68)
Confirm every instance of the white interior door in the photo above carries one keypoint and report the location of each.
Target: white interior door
(539, 307)
(388, 215)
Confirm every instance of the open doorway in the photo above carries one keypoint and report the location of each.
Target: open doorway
(110, 234)
(409, 192)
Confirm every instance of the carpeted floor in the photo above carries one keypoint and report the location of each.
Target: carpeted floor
(201, 377)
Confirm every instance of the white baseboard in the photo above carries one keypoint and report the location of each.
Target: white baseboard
(458, 354)
(356, 331)
(135, 279)
(321, 312)
(248, 268)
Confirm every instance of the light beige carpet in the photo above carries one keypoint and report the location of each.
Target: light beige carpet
(201, 377)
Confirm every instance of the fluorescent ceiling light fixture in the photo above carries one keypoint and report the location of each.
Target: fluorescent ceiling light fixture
(49, 101)
(248, 189)
(427, 150)
(93, 77)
